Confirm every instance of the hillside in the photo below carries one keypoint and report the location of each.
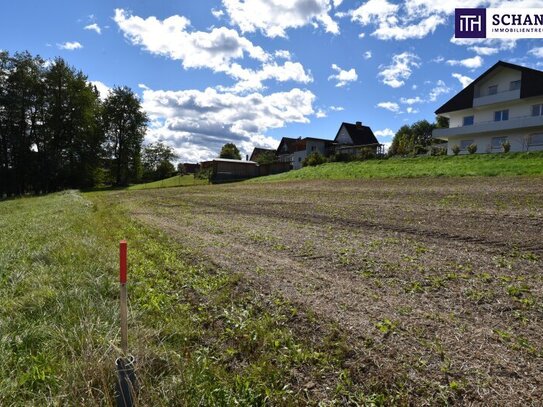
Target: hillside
(444, 166)
(175, 181)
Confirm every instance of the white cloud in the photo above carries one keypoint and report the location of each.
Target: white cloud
(411, 101)
(484, 50)
(337, 108)
(102, 88)
(385, 133)
(464, 80)
(320, 114)
(367, 55)
(216, 50)
(472, 63)
(274, 17)
(283, 53)
(427, 26)
(411, 110)
(392, 106)
(439, 89)
(217, 13)
(536, 52)
(70, 46)
(197, 123)
(485, 44)
(399, 71)
(342, 76)
(94, 27)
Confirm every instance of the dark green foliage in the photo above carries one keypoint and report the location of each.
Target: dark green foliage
(229, 150)
(506, 146)
(51, 129)
(157, 161)
(267, 157)
(455, 149)
(442, 122)
(412, 139)
(124, 125)
(436, 151)
(341, 157)
(313, 159)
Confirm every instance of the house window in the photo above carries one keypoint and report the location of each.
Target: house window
(468, 121)
(501, 115)
(536, 139)
(312, 148)
(492, 90)
(537, 110)
(299, 159)
(465, 143)
(514, 85)
(497, 142)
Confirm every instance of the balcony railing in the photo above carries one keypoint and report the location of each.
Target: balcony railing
(491, 126)
(498, 97)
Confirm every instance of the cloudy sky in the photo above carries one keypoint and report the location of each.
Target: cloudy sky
(252, 71)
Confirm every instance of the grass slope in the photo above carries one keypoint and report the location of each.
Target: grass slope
(445, 166)
(175, 181)
(200, 337)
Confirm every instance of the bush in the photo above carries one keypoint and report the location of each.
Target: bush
(340, 157)
(313, 159)
(472, 148)
(436, 151)
(365, 154)
(204, 174)
(506, 146)
(455, 149)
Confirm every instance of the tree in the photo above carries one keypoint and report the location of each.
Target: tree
(412, 139)
(266, 157)
(124, 124)
(442, 122)
(156, 160)
(313, 159)
(229, 150)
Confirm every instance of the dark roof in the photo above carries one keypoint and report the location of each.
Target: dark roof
(361, 135)
(531, 85)
(257, 151)
(289, 142)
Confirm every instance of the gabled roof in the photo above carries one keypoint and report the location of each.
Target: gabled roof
(531, 85)
(289, 142)
(360, 135)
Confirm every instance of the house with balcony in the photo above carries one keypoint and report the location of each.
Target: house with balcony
(504, 104)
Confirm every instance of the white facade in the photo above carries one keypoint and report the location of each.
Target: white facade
(498, 114)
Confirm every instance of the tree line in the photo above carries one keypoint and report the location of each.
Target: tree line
(56, 132)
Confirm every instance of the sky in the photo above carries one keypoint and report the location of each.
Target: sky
(249, 72)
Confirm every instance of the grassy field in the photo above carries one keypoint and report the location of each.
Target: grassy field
(175, 181)
(424, 291)
(444, 166)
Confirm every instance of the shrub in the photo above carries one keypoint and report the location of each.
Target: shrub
(204, 174)
(313, 159)
(506, 146)
(472, 148)
(365, 154)
(438, 151)
(455, 149)
(340, 157)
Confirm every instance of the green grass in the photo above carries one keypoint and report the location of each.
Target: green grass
(445, 166)
(199, 335)
(175, 181)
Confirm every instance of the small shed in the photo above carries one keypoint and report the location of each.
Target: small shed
(224, 169)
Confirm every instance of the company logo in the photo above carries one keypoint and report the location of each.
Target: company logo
(498, 23)
(470, 23)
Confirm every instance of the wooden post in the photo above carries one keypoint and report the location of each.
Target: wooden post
(124, 299)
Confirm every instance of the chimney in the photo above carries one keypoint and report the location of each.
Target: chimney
(358, 124)
(246, 157)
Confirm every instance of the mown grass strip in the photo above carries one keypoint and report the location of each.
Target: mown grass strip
(509, 164)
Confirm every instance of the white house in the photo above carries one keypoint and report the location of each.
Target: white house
(503, 104)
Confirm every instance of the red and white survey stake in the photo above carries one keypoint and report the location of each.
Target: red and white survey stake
(124, 305)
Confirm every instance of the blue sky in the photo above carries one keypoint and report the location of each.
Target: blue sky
(210, 71)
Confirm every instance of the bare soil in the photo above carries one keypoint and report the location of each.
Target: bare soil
(436, 283)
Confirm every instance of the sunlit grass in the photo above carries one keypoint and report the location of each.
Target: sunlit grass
(175, 181)
(445, 166)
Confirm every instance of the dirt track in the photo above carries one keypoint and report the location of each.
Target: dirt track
(437, 282)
